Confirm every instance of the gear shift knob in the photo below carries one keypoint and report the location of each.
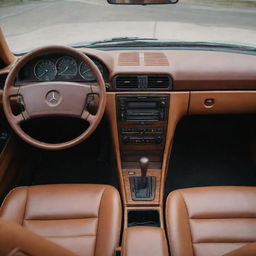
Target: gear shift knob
(144, 163)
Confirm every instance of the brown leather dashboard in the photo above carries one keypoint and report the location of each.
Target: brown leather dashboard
(213, 73)
(190, 69)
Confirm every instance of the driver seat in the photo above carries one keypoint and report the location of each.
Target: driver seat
(85, 219)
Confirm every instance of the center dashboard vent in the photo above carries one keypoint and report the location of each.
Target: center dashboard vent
(157, 82)
(142, 83)
(126, 82)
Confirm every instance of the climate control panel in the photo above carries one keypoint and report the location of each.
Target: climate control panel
(141, 135)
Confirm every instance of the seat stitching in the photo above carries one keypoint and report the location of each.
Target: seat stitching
(220, 218)
(25, 207)
(84, 218)
(187, 220)
(102, 195)
(223, 242)
(70, 236)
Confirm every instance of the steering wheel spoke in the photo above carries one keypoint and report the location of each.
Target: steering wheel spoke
(95, 89)
(85, 115)
(88, 117)
(18, 119)
(53, 98)
(13, 91)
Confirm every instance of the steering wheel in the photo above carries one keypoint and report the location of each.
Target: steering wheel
(47, 99)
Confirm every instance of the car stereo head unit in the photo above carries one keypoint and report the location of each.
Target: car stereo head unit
(142, 108)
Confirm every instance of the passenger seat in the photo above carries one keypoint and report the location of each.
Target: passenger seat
(210, 221)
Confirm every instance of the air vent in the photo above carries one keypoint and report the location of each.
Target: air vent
(159, 82)
(2, 80)
(142, 82)
(126, 82)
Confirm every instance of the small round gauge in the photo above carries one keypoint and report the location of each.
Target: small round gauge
(86, 73)
(66, 67)
(45, 70)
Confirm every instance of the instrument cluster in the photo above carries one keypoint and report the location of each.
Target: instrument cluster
(60, 68)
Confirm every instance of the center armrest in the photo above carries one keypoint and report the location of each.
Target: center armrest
(144, 240)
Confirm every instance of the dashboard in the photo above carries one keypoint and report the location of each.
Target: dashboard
(59, 67)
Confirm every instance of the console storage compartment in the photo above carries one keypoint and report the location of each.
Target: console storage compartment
(143, 218)
(149, 241)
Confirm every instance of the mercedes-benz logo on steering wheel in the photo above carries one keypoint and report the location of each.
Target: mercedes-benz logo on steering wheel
(53, 98)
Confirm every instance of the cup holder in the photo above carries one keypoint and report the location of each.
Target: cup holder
(143, 218)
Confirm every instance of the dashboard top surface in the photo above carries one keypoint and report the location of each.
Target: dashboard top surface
(189, 69)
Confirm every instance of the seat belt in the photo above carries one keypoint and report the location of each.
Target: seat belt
(246, 250)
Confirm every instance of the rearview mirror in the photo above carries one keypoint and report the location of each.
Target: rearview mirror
(143, 2)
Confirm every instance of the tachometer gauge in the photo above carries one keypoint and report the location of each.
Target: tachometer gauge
(86, 73)
(66, 67)
(45, 70)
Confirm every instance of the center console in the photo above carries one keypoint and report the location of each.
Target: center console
(145, 131)
(142, 122)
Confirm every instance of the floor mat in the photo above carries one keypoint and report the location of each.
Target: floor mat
(89, 162)
(212, 151)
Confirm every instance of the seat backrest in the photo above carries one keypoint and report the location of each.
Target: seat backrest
(85, 219)
(15, 240)
(210, 221)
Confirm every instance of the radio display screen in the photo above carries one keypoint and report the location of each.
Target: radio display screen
(141, 105)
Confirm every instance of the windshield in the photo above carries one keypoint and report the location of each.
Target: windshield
(30, 24)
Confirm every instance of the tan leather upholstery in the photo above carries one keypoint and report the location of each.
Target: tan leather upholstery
(247, 250)
(83, 218)
(149, 241)
(16, 240)
(210, 221)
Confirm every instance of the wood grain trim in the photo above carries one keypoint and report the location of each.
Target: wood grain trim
(224, 102)
(129, 201)
(177, 109)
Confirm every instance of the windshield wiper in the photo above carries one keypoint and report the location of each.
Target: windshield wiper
(153, 42)
(114, 41)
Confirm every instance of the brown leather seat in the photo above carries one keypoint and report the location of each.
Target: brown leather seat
(210, 221)
(83, 218)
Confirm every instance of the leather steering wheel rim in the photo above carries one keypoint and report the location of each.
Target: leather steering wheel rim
(68, 99)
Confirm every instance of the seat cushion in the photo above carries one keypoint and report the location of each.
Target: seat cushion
(210, 221)
(83, 218)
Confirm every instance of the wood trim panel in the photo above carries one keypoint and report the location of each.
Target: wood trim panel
(177, 109)
(129, 201)
(222, 102)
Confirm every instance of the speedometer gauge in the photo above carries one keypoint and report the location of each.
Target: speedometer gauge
(66, 67)
(86, 72)
(45, 70)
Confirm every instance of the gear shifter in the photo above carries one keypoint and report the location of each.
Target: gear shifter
(143, 186)
(144, 163)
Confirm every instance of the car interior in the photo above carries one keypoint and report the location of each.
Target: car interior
(127, 151)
